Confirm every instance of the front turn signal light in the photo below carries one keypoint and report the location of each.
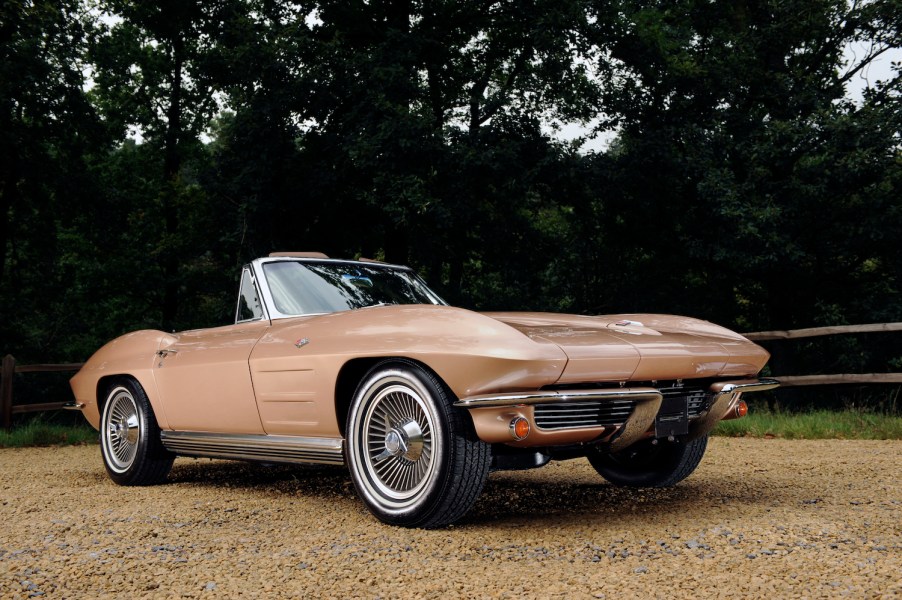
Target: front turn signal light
(742, 409)
(519, 428)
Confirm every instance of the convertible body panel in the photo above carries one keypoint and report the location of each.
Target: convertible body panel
(259, 378)
(255, 377)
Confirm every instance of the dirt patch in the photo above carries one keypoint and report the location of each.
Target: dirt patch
(774, 517)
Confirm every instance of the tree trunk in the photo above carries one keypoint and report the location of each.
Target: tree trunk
(7, 194)
(9, 185)
(172, 163)
(9, 191)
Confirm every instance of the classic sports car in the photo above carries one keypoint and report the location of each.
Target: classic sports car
(360, 363)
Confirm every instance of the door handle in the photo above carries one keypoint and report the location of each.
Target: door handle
(163, 354)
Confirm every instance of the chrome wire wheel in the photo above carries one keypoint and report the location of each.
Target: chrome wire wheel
(120, 430)
(397, 443)
(133, 453)
(414, 458)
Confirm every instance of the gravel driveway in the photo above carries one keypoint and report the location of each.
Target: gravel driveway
(759, 517)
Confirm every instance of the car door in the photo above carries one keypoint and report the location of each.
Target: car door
(203, 376)
(204, 380)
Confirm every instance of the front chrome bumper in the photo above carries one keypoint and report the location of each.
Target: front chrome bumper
(492, 413)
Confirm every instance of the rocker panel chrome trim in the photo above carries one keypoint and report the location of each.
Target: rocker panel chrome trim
(264, 448)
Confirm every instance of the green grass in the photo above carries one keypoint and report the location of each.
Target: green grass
(38, 433)
(814, 425)
(821, 424)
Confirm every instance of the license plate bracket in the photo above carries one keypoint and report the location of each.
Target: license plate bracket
(673, 417)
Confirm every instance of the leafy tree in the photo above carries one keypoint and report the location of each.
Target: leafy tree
(742, 186)
(734, 114)
(153, 77)
(438, 118)
(47, 127)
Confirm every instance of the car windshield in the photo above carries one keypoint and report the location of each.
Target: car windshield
(301, 288)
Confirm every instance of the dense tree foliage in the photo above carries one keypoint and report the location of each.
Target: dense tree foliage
(148, 149)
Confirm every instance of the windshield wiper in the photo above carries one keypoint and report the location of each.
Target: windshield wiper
(378, 305)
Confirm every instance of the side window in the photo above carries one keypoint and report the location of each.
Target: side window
(249, 308)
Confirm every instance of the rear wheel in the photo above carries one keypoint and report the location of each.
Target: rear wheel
(650, 464)
(133, 453)
(413, 457)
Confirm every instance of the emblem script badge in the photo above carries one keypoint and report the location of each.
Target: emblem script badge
(302, 342)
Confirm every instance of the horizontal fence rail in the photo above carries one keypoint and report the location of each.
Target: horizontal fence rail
(799, 380)
(760, 336)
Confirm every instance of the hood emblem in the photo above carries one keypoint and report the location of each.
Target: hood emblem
(302, 342)
(628, 323)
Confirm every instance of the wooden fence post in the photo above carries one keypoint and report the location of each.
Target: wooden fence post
(6, 390)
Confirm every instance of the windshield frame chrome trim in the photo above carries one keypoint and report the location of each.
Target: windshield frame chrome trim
(269, 305)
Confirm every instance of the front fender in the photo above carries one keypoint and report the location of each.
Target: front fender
(295, 366)
(132, 355)
(472, 353)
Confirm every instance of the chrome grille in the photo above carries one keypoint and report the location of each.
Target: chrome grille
(569, 415)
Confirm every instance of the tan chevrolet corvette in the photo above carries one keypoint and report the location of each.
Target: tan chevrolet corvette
(360, 363)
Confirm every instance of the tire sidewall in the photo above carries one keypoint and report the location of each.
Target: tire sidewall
(421, 505)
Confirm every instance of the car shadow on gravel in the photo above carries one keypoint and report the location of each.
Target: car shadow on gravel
(314, 481)
(507, 497)
(515, 499)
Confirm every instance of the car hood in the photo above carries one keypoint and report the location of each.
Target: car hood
(640, 346)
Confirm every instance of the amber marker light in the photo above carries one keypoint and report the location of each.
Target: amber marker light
(519, 428)
(742, 409)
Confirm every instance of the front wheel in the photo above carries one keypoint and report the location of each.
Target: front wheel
(413, 457)
(650, 463)
(133, 453)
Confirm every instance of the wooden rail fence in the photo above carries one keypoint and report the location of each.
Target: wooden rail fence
(837, 378)
(9, 368)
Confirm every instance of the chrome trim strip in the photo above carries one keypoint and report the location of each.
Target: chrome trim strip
(265, 448)
(73, 405)
(517, 398)
(725, 392)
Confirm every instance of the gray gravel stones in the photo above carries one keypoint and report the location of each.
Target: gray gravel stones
(775, 518)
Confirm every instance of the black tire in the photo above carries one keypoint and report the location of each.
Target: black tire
(414, 458)
(130, 444)
(646, 464)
